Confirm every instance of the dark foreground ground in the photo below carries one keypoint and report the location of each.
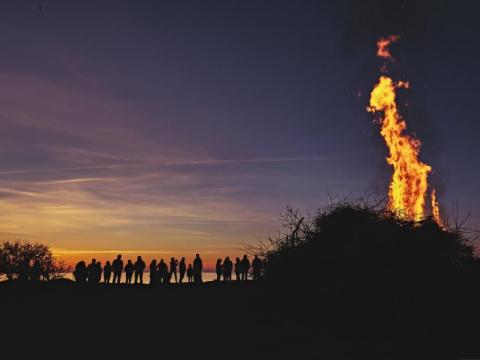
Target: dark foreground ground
(63, 320)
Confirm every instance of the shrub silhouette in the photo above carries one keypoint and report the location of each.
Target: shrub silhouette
(352, 241)
(369, 281)
(27, 261)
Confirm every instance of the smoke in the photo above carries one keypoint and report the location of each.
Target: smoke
(367, 20)
(364, 22)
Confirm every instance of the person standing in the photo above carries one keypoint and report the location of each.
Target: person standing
(173, 268)
(129, 271)
(182, 268)
(139, 266)
(98, 272)
(197, 269)
(227, 269)
(117, 267)
(163, 272)
(107, 272)
(237, 269)
(91, 270)
(190, 273)
(218, 269)
(80, 272)
(256, 268)
(244, 266)
(153, 272)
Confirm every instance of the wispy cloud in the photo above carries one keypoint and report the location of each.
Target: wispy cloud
(158, 164)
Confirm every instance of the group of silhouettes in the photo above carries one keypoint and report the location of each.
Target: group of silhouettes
(163, 273)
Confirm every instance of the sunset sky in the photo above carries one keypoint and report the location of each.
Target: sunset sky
(169, 128)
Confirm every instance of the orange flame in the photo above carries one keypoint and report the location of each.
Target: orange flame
(382, 46)
(409, 183)
(436, 210)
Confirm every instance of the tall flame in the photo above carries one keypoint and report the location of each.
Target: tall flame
(436, 210)
(409, 184)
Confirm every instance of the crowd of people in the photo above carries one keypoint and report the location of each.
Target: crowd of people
(163, 273)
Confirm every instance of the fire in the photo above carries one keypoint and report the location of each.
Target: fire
(436, 210)
(382, 46)
(409, 184)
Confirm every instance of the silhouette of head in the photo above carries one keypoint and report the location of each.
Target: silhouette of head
(197, 256)
(245, 256)
(94, 261)
(139, 258)
(256, 256)
(119, 257)
(183, 259)
(227, 258)
(108, 262)
(237, 259)
(129, 261)
(172, 258)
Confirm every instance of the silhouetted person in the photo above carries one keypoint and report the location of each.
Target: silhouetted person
(173, 268)
(244, 267)
(162, 272)
(129, 271)
(98, 272)
(35, 272)
(256, 268)
(91, 271)
(190, 273)
(237, 269)
(218, 269)
(227, 269)
(182, 268)
(117, 268)
(139, 266)
(107, 272)
(80, 272)
(153, 272)
(197, 269)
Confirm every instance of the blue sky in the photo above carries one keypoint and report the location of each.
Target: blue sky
(190, 126)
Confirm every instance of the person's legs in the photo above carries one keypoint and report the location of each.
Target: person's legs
(141, 277)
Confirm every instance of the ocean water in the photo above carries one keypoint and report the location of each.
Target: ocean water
(207, 276)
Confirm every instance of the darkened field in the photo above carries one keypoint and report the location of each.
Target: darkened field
(235, 320)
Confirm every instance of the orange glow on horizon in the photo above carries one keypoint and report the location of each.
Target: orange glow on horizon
(209, 257)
